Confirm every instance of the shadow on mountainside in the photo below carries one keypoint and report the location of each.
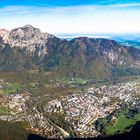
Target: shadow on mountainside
(35, 137)
(9, 131)
(134, 134)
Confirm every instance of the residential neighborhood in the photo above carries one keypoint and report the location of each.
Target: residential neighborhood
(81, 109)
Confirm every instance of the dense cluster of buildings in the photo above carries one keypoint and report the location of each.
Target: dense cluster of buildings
(81, 110)
(15, 102)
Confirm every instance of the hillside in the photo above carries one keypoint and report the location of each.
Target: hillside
(27, 48)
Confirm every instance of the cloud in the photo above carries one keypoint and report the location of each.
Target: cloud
(61, 10)
(13, 10)
(128, 5)
(84, 19)
(116, 3)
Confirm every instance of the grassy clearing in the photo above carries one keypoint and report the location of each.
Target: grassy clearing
(120, 123)
(11, 88)
(74, 80)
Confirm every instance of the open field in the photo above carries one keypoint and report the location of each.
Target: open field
(121, 123)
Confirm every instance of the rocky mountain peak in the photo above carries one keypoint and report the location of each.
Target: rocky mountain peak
(4, 34)
(24, 36)
(27, 37)
(25, 33)
(28, 26)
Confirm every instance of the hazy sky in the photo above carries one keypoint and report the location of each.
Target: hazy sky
(72, 16)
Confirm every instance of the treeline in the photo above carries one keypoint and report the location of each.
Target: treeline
(59, 119)
(12, 131)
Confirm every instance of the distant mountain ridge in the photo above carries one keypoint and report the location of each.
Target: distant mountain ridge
(28, 48)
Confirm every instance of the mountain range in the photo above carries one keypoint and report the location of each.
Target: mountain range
(27, 48)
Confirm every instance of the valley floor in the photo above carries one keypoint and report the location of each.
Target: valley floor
(79, 111)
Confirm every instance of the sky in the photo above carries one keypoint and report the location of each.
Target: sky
(72, 16)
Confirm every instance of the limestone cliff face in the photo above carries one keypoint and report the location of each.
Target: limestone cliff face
(4, 34)
(27, 37)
